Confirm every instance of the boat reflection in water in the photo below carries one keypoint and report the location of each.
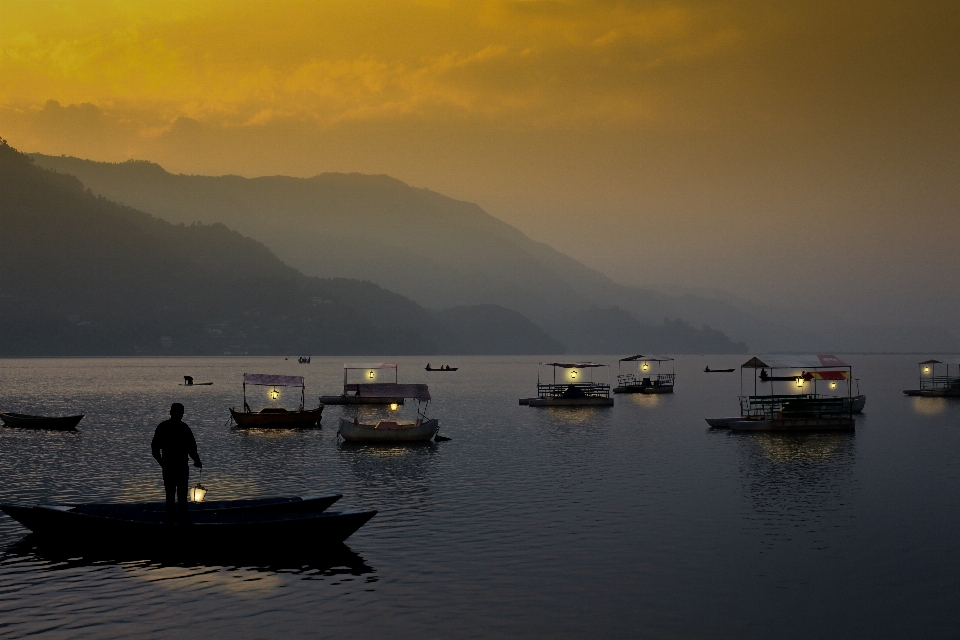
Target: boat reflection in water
(797, 479)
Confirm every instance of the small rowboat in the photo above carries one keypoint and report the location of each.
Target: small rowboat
(282, 504)
(389, 431)
(709, 370)
(24, 421)
(446, 368)
(211, 531)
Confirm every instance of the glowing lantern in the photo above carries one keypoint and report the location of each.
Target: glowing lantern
(573, 374)
(371, 374)
(393, 406)
(926, 369)
(274, 394)
(799, 382)
(645, 366)
(197, 493)
(833, 385)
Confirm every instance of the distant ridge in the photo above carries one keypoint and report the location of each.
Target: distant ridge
(438, 251)
(81, 275)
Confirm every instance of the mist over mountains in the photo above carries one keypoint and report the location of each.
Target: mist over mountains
(81, 275)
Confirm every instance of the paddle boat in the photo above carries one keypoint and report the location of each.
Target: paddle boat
(275, 416)
(645, 381)
(573, 390)
(53, 423)
(795, 402)
(372, 373)
(391, 431)
(938, 386)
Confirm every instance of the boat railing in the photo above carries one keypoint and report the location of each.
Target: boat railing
(783, 406)
(656, 380)
(573, 390)
(940, 382)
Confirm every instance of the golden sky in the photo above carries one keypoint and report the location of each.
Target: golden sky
(673, 144)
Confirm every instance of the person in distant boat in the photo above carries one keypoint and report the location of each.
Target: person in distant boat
(706, 369)
(173, 442)
(188, 381)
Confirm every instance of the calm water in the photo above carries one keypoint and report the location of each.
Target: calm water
(634, 521)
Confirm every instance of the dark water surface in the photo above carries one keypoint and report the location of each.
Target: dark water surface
(631, 521)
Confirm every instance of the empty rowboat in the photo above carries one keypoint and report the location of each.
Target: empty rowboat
(24, 421)
(392, 430)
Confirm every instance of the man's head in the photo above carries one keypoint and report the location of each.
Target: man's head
(176, 411)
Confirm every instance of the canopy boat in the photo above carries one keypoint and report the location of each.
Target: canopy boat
(645, 381)
(572, 390)
(441, 368)
(55, 423)
(372, 371)
(210, 530)
(419, 430)
(803, 409)
(275, 416)
(937, 386)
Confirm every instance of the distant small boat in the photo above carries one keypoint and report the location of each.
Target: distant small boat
(24, 421)
(645, 381)
(188, 382)
(937, 386)
(442, 368)
(709, 370)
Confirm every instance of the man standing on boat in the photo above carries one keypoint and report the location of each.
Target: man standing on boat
(172, 442)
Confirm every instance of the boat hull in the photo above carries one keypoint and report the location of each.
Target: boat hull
(568, 402)
(283, 504)
(666, 388)
(722, 423)
(933, 393)
(285, 420)
(23, 421)
(794, 424)
(358, 400)
(354, 432)
(222, 531)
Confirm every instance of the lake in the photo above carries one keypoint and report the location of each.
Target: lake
(631, 521)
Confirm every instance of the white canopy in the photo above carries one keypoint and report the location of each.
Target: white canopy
(270, 380)
(369, 365)
(819, 361)
(572, 365)
(953, 360)
(652, 358)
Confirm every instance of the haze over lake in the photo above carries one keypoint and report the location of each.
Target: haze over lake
(631, 521)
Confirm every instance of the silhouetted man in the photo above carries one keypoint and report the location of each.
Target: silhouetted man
(172, 443)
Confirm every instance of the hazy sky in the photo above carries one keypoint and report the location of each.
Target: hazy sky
(802, 153)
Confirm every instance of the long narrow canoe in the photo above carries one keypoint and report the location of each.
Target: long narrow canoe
(213, 530)
(282, 504)
(56, 423)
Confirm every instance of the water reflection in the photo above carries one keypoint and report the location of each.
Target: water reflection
(929, 406)
(796, 480)
(332, 560)
(644, 399)
(376, 464)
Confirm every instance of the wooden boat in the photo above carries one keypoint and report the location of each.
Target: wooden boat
(281, 504)
(709, 370)
(448, 368)
(806, 409)
(937, 386)
(24, 421)
(372, 371)
(213, 531)
(645, 381)
(196, 384)
(392, 431)
(572, 392)
(275, 417)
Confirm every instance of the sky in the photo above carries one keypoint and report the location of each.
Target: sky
(799, 154)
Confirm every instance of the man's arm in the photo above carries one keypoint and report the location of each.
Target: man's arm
(155, 446)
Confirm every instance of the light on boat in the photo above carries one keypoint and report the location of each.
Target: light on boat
(393, 406)
(645, 366)
(926, 369)
(274, 394)
(371, 374)
(573, 374)
(198, 492)
(833, 385)
(799, 382)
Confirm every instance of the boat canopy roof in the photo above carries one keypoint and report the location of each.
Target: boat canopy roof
(827, 375)
(818, 361)
(369, 365)
(572, 365)
(942, 361)
(389, 390)
(270, 380)
(652, 358)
